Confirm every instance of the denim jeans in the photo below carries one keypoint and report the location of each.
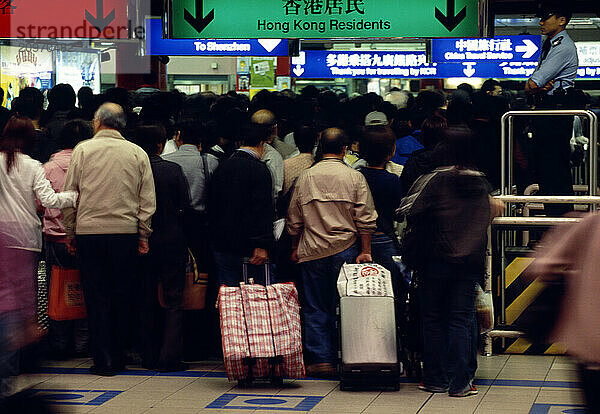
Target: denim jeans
(319, 279)
(474, 350)
(229, 269)
(474, 347)
(447, 309)
(382, 250)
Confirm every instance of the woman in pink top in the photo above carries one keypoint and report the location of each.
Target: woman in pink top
(22, 180)
(63, 336)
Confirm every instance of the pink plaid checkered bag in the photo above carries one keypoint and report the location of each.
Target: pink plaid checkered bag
(258, 324)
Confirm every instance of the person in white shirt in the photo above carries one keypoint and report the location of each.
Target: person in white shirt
(22, 180)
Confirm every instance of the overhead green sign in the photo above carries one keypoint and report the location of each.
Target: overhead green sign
(317, 19)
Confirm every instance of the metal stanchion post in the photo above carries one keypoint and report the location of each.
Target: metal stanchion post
(514, 224)
(487, 346)
(503, 281)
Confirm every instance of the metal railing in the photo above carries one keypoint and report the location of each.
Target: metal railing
(534, 206)
(507, 131)
(504, 224)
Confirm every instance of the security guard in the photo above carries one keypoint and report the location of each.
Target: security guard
(551, 86)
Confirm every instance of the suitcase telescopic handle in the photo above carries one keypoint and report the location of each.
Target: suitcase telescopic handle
(246, 262)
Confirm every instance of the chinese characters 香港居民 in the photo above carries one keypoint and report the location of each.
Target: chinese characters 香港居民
(327, 7)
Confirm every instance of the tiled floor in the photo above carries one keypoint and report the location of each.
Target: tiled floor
(507, 384)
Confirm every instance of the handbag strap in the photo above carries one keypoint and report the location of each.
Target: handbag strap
(194, 267)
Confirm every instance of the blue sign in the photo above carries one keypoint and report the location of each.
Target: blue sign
(589, 72)
(412, 65)
(524, 48)
(503, 70)
(336, 64)
(500, 70)
(156, 45)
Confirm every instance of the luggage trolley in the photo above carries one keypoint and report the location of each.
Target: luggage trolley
(501, 226)
(275, 361)
(260, 331)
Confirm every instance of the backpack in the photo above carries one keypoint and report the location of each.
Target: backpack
(283, 201)
(415, 246)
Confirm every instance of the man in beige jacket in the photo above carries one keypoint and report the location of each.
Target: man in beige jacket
(331, 218)
(109, 227)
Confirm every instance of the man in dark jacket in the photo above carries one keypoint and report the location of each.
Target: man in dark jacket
(166, 259)
(61, 101)
(241, 210)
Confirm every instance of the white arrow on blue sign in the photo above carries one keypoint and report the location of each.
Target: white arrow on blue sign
(522, 48)
(156, 45)
(529, 49)
(469, 71)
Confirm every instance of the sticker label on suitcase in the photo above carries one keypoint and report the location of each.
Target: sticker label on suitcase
(369, 271)
(364, 280)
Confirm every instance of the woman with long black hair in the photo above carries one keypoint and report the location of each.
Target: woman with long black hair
(22, 180)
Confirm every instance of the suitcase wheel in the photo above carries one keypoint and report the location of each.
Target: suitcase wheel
(344, 386)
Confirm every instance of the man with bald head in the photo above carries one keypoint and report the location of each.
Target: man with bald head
(331, 218)
(109, 227)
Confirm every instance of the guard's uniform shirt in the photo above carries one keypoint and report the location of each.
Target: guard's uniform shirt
(558, 62)
(552, 134)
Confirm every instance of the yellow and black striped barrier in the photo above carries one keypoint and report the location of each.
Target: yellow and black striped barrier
(520, 295)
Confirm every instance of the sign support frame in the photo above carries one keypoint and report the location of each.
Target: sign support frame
(486, 19)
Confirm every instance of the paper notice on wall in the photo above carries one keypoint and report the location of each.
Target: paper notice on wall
(283, 82)
(262, 72)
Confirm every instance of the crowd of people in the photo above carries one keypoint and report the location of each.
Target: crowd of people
(134, 184)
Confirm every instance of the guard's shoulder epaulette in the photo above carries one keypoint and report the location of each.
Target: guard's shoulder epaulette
(557, 41)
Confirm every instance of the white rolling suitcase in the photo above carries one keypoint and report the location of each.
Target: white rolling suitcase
(368, 341)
